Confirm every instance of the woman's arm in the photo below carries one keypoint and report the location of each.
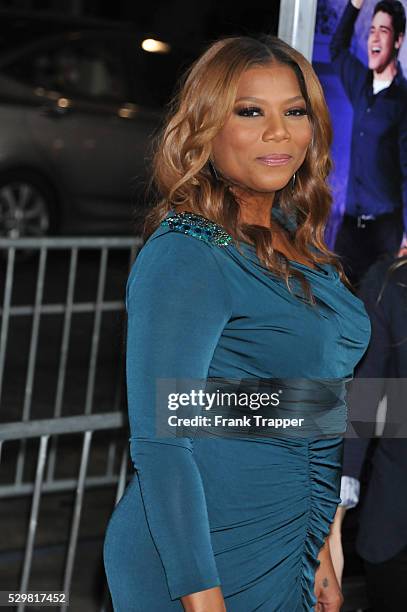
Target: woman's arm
(210, 600)
(335, 543)
(327, 589)
(177, 305)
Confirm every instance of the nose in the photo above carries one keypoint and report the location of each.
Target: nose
(276, 130)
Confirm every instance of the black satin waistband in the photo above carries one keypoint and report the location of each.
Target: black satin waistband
(294, 407)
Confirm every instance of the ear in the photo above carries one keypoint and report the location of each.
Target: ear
(399, 41)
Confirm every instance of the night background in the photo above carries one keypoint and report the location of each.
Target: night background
(188, 24)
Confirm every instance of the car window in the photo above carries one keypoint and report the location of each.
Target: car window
(85, 69)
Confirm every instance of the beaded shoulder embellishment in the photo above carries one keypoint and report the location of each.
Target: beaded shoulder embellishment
(199, 227)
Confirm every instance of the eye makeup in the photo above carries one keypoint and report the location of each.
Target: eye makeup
(255, 111)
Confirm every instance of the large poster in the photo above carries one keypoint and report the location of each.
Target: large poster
(328, 15)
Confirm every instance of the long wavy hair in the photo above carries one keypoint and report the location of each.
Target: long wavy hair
(182, 176)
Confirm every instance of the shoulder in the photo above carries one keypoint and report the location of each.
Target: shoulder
(402, 80)
(386, 279)
(394, 273)
(185, 236)
(400, 91)
(182, 251)
(195, 226)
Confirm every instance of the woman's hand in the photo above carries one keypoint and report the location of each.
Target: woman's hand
(210, 600)
(357, 3)
(327, 589)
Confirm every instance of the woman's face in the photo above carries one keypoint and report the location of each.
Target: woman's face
(265, 139)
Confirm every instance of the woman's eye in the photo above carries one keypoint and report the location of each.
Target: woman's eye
(249, 111)
(297, 112)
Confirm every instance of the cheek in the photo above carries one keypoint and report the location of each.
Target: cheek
(385, 42)
(304, 135)
(239, 138)
(233, 142)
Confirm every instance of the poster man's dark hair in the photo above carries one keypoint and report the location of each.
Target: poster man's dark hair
(397, 13)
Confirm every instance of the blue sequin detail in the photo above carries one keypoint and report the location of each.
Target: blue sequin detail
(199, 227)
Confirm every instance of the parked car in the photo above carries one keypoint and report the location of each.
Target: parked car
(79, 105)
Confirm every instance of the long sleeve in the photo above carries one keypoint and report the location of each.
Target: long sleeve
(178, 305)
(349, 68)
(365, 395)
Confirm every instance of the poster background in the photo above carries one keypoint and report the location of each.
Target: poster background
(328, 14)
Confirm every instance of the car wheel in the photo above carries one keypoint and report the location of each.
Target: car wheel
(27, 206)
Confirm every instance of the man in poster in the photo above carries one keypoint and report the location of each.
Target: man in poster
(376, 200)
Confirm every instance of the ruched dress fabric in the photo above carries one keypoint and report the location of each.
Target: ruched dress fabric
(249, 514)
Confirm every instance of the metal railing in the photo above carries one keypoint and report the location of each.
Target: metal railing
(37, 312)
(31, 446)
(46, 430)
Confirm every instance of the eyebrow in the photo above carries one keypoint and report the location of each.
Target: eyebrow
(294, 99)
(382, 27)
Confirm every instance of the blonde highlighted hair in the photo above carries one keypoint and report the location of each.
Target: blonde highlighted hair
(182, 175)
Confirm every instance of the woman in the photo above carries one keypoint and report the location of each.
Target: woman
(235, 283)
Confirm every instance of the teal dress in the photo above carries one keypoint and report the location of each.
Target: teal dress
(248, 513)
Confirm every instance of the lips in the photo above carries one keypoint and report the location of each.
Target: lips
(275, 159)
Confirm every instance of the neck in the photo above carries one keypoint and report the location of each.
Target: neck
(388, 73)
(255, 209)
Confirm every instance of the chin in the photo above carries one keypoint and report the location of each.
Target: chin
(273, 184)
(376, 64)
(270, 188)
(373, 64)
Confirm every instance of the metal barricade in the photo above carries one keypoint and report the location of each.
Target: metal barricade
(35, 435)
(38, 312)
(45, 431)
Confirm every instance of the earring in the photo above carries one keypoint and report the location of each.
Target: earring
(213, 170)
(293, 179)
